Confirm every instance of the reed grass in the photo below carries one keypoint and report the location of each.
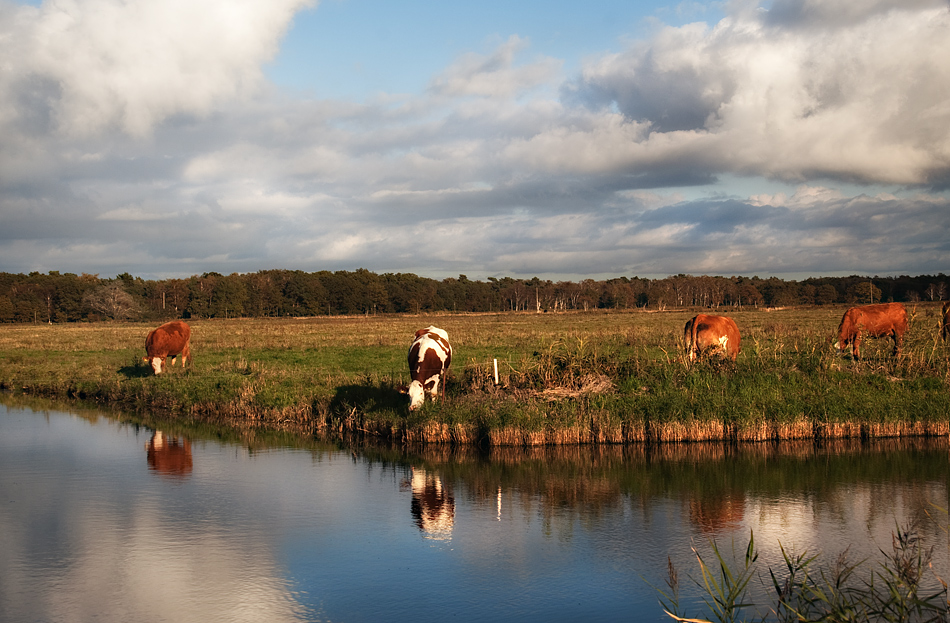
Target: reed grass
(598, 377)
(899, 587)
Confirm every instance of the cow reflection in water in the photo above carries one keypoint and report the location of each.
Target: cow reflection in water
(169, 456)
(713, 515)
(433, 506)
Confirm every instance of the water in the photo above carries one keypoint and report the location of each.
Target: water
(114, 521)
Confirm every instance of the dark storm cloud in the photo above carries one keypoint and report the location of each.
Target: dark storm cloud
(669, 99)
(820, 14)
(714, 217)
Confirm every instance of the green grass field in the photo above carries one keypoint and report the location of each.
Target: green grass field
(602, 376)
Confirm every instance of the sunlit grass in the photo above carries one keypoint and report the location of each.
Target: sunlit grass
(573, 377)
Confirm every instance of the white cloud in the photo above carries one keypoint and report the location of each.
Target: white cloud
(496, 75)
(96, 64)
(803, 197)
(866, 102)
(179, 157)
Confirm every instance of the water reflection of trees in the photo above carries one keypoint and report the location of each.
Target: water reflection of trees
(712, 482)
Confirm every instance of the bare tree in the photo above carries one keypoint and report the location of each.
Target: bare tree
(111, 300)
(931, 291)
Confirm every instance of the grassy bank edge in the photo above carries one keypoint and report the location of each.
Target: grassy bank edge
(582, 420)
(565, 378)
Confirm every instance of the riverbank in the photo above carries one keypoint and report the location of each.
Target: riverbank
(595, 377)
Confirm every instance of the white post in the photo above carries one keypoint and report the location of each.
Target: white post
(496, 371)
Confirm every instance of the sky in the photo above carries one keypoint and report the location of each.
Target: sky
(563, 140)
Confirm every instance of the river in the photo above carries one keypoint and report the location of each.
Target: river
(107, 518)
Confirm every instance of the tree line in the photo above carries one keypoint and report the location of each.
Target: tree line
(67, 297)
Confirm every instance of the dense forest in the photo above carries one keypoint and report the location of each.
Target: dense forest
(66, 297)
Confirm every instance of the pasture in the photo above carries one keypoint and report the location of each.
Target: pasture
(575, 377)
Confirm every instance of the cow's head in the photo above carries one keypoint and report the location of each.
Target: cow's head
(157, 363)
(417, 395)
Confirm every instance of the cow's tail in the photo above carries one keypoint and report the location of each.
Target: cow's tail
(845, 331)
(691, 354)
(445, 366)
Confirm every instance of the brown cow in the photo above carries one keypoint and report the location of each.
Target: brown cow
(945, 323)
(885, 319)
(429, 358)
(704, 332)
(172, 338)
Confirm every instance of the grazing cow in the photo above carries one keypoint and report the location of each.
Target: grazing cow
(172, 338)
(945, 323)
(705, 332)
(429, 357)
(885, 319)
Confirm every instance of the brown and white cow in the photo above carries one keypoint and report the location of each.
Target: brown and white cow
(705, 332)
(429, 358)
(882, 320)
(945, 321)
(172, 338)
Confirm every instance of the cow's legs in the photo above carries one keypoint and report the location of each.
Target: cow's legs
(898, 339)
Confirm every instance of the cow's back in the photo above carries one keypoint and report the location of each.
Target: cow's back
(171, 338)
(881, 319)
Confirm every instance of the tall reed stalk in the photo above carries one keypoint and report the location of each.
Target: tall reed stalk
(892, 589)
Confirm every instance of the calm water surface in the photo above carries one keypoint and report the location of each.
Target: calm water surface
(115, 521)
